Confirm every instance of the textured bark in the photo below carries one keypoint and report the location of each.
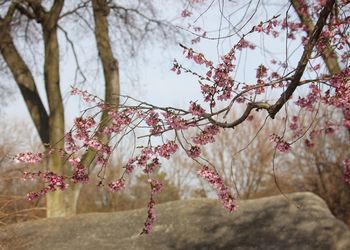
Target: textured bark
(50, 126)
(328, 55)
(111, 76)
(58, 202)
(109, 63)
(24, 78)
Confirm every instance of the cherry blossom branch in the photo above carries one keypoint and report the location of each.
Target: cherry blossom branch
(314, 36)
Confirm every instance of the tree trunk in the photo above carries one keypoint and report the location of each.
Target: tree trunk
(328, 55)
(112, 82)
(109, 63)
(58, 203)
(110, 73)
(50, 125)
(24, 79)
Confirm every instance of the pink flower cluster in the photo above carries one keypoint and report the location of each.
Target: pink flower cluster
(80, 174)
(152, 166)
(268, 28)
(175, 121)
(294, 125)
(194, 152)
(31, 158)
(156, 188)
(198, 58)
(261, 72)
(52, 181)
(152, 119)
(70, 144)
(281, 145)
(119, 120)
(341, 97)
(308, 143)
(196, 109)
(346, 171)
(308, 101)
(218, 184)
(151, 217)
(186, 13)
(243, 44)
(207, 135)
(83, 127)
(176, 67)
(117, 185)
(84, 94)
(167, 149)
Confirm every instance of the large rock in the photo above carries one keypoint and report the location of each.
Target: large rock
(267, 223)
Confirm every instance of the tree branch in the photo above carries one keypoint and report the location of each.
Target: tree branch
(23, 77)
(314, 36)
(328, 55)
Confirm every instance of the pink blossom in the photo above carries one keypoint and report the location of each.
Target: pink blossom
(167, 149)
(74, 161)
(309, 143)
(186, 13)
(146, 154)
(52, 181)
(261, 72)
(70, 144)
(156, 186)
(346, 171)
(84, 94)
(156, 130)
(152, 118)
(196, 109)
(117, 185)
(174, 121)
(293, 126)
(218, 184)
(346, 123)
(281, 145)
(80, 175)
(194, 151)
(207, 135)
(129, 167)
(32, 196)
(29, 157)
(295, 119)
(94, 143)
(308, 101)
(199, 59)
(151, 217)
(151, 167)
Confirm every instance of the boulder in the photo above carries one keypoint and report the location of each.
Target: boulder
(303, 221)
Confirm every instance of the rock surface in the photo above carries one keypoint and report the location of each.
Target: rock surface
(267, 223)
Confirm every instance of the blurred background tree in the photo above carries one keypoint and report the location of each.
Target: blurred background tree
(32, 37)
